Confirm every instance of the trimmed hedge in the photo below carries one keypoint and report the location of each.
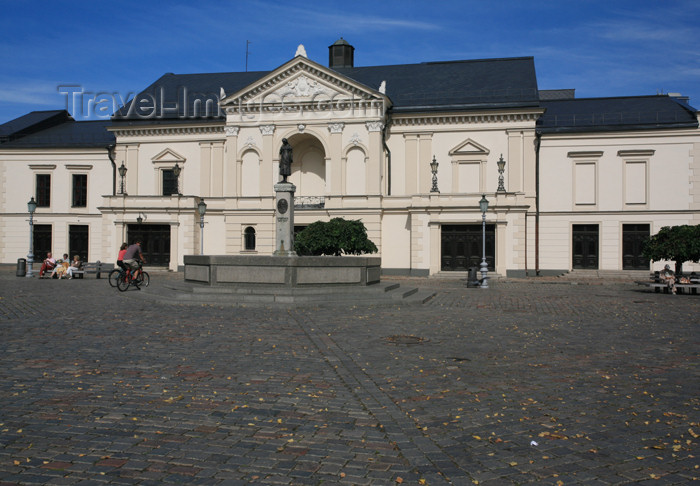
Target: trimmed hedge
(336, 237)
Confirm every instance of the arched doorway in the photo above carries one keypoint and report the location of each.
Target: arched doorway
(309, 170)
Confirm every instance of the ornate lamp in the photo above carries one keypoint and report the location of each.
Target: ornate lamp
(434, 168)
(201, 209)
(484, 205)
(31, 207)
(501, 167)
(122, 174)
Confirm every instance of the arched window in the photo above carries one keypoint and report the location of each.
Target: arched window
(249, 238)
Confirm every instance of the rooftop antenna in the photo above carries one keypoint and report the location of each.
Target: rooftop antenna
(247, 43)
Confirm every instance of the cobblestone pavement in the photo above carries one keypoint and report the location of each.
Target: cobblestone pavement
(546, 383)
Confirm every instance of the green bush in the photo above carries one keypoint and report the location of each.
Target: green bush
(677, 243)
(336, 237)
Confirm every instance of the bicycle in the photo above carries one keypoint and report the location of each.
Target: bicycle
(126, 279)
(114, 275)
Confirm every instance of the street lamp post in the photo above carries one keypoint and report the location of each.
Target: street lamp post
(434, 169)
(31, 206)
(122, 174)
(201, 208)
(483, 205)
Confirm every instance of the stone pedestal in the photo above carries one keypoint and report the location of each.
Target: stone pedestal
(284, 219)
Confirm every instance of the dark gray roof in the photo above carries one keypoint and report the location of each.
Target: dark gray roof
(170, 89)
(611, 114)
(431, 86)
(557, 94)
(454, 85)
(31, 122)
(71, 134)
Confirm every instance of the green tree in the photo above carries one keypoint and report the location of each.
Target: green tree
(336, 237)
(677, 243)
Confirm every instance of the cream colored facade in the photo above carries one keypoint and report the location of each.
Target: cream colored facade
(363, 162)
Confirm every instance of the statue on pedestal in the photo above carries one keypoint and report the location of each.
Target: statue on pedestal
(285, 160)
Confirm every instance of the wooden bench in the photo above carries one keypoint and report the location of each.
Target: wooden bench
(657, 284)
(93, 267)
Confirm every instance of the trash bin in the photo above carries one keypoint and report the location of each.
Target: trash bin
(21, 267)
(472, 279)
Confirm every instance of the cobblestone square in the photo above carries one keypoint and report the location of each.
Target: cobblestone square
(542, 382)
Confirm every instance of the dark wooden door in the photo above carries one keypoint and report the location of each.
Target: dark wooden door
(633, 238)
(585, 245)
(462, 246)
(42, 241)
(155, 242)
(78, 241)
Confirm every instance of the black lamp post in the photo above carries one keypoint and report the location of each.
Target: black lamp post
(201, 208)
(434, 168)
(122, 174)
(31, 206)
(501, 167)
(483, 205)
(176, 173)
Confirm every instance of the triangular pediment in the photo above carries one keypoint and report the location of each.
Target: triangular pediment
(469, 147)
(302, 81)
(168, 155)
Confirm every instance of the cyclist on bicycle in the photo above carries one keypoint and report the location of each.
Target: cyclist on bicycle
(132, 257)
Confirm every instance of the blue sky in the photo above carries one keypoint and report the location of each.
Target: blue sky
(600, 48)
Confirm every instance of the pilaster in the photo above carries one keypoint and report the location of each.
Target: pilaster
(131, 161)
(204, 169)
(230, 163)
(336, 154)
(411, 151)
(374, 158)
(268, 158)
(217, 169)
(424, 157)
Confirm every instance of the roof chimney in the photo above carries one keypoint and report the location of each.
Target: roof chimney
(341, 54)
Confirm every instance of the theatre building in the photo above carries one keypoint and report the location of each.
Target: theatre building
(409, 150)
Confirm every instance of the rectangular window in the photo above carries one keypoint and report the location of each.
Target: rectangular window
(43, 190)
(636, 182)
(585, 183)
(79, 191)
(169, 182)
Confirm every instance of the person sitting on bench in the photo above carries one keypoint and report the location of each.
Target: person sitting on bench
(76, 264)
(668, 276)
(49, 264)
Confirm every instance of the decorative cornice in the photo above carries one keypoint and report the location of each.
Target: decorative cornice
(336, 127)
(267, 129)
(587, 154)
(231, 131)
(161, 131)
(447, 119)
(79, 166)
(636, 153)
(42, 166)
